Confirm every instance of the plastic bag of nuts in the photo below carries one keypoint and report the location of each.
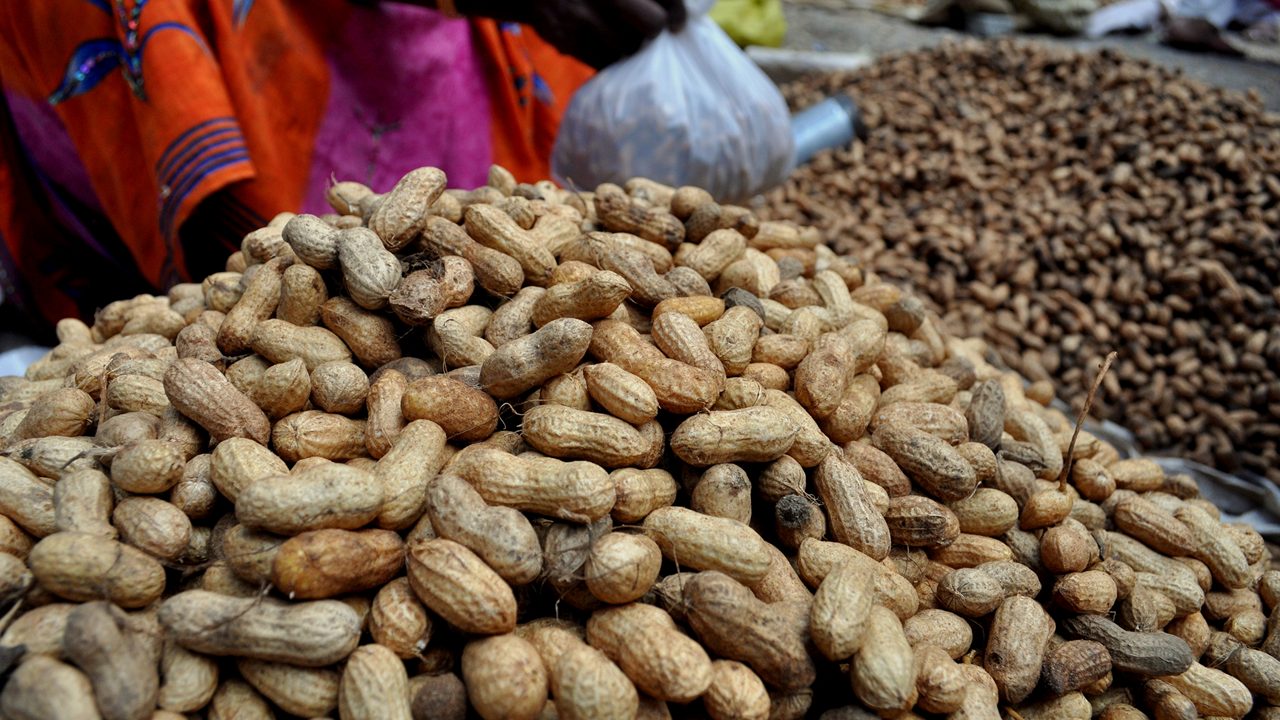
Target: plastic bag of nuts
(689, 109)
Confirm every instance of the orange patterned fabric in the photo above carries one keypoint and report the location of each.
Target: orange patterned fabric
(141, 139)
(527, 111)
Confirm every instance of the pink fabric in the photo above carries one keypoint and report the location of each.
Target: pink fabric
(403, 78)
(46, 140)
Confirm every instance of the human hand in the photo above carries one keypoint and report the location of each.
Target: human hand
(597, 33)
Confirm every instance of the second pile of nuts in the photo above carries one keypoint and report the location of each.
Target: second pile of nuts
(528, 454)
(1061, 205)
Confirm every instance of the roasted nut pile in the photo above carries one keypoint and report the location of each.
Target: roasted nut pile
(524, 453)
(1062, 205)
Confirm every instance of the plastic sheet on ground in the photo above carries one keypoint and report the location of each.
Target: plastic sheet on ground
(17, 360)
(1255, 501)
(1245, 497)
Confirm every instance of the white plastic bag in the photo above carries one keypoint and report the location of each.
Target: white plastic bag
(689, 109)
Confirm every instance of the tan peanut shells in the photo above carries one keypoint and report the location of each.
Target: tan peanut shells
(652, 476)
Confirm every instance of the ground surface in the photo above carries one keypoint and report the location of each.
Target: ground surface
(814, 28)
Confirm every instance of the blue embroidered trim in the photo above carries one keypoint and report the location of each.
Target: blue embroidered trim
(93, 60)
(199, 146)
(183, 187)
(240, 11)
(165, 158)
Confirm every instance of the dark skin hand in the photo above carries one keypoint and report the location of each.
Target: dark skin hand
(598, 33)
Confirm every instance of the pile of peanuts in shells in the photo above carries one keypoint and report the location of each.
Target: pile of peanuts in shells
(521, 453)
(1061, 205)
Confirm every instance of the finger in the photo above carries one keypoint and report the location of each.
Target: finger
(645, 17)
(676, 13)
(506, 11)
(594, 38)
(594, 53)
